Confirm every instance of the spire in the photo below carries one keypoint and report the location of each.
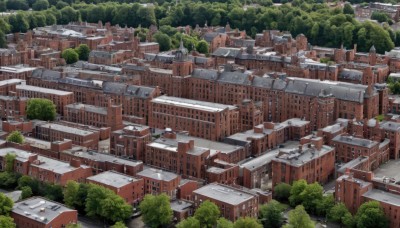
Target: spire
(372, 49)
(181, 44)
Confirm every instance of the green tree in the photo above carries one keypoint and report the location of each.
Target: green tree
(371, 214)
(40, 5)
(41, 109)
(70, 56)
(7, 222)
(6, 205)
(15, 137)
(156, 210)
(10, 159)
(83, 52)
(6, 27)
(18, 22)
(224, 223)
(282, 191)
(339, 213)
(347, 9)
(190, 222)
(310, 196)
(51, 191)
(27, 181)
(71, 225)
(17, 5)
(61, 4)
(3, 41)
(26, 192)
(295, 192)
(380, 17)
(163, 40)
(270, 214)
(202, 47)
(71, 193)
(298, 218)
(324, 205)
(207, 214)
(3, 7)
(68, 14)
(247, 222)
(119, 225)
(8, 180)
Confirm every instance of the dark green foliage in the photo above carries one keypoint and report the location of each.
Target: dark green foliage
(202, 47)
(247, 222)
(190, 222)
(7, 222)
(27, 181)
(299, 218)
(340, 214)
(17, 5)
(282, 192)
(8, 180)
(70, 55)
(156, 210)
(270, 214)
(3, 41)
(163, 40)
(6, 205)
(380, 17)
(40, 5)
(207, 214)
(26, 192)
(10, 159)
(370, 215)
(83, 52)
(347, 9)
(15, 137)
(41, 109)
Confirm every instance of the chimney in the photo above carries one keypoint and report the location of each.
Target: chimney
(75, 163)
(317, 142)
(269, 125)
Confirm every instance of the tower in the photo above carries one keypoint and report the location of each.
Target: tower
(181, 65)
(372, 55)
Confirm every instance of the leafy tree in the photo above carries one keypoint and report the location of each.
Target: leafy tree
(83, 52)
(347, 9)
(339, 213)
(18, 22)
(119, 225)
(371, 214)
(15, 137)
(40, 5)
(156, 210)
(247, 222)
(202, 47)
(71, 193)
(295, 192)
(224, 223)
(41, 109)
(324, 205)
(207, 214)
(4, 26)
(163, 40)
(6, 205)
(270, 214)
(3, 41)
(9, 164)
(190, 222)
(8, 180)
(27, 181)
(51, 191)
(61, 4)
(70, 56)
(298, 218)
(17, 5)
(3, 7)
(7, 222)
(74, 226)
(68, 14)
(282, 191)
(311, 195)
(26, 192)
(380, 16)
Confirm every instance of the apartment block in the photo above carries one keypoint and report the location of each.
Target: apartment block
(157, 181)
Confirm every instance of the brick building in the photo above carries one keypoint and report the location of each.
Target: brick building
(42, 213)
(202, 119)
(57, 132)
(58, 97)
(313, 162)
(180, 157)
(101, 162)
(57, 172)
(110, 116)
(15, 72)
(157, 181)
(12, 106)
(22, 161)
(129, 188)
(232, 202)
(349, 148)
(130, 141)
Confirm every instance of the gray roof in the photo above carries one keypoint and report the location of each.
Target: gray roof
(347, 139)
(391, 126)
(43, 90)
(45, 74)
(55, 166)
(383, 196)
(40, 209)
(227, 52)
(180, 205)
(192, 104)
(139, 91)
(21, 155)
(112, 178)
(114, 87)
(67, 129)
(172, 146)
(226, 194)
(350, 74)
(295, 157)
(82, 82)
(87, 108)
(158, 174)
(210, 36)
(212, 145)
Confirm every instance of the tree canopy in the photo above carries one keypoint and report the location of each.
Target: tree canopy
(15, 137)
(156, 210)
(7, 222)
(190, 222)
(83, 52)
(207, 214)
(270, 214)
(70, 55)
(41, 109)
(247, 222)
(371, 214)
(299, 218)
(282, 191)
(6, 205)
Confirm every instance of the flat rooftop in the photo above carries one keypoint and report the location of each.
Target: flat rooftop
(11, 81)
(87, 108)
(295, 157)
(16, 69)
(39, 209)
(192, 104)
(113, 179)
(180, 205)
(21, 155)
(38, 143)
(67, 129)
(355, 141)
(43, 90)
(212, 145)
(55, 166)
(383, 196)
(172, 146)
(223, 193)
(158, 174)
